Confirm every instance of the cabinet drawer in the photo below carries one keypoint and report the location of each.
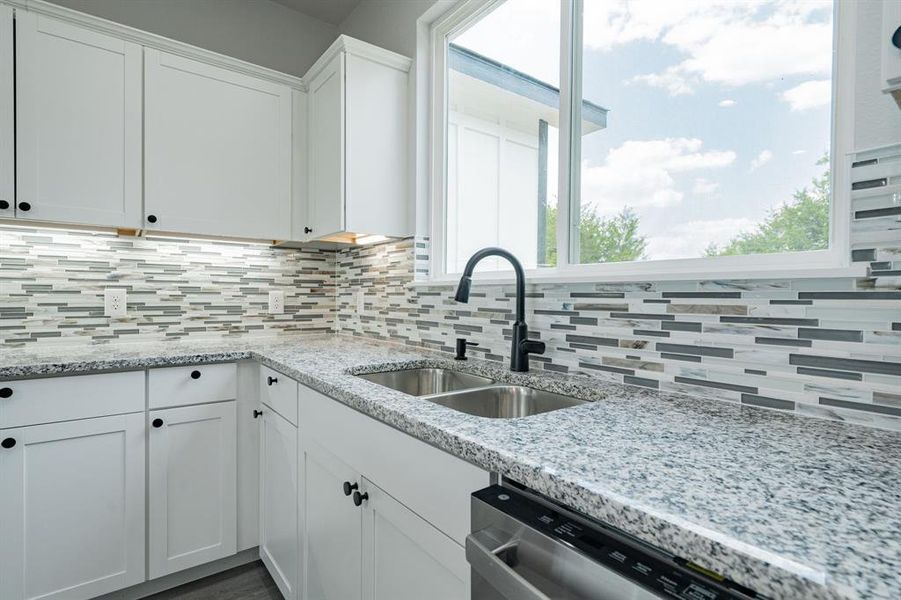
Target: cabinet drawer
(36, 401)
(279, 392)
(178, 386)
(430, 482)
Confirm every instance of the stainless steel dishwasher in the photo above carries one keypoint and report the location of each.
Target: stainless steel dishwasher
(524, 547)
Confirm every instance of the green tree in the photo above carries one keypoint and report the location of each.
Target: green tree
(611, 239)
(802, 224)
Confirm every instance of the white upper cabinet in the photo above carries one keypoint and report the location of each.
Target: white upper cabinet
(7, 115)
(78, 138)
(217, 150)
(891, 45)
(358, 176)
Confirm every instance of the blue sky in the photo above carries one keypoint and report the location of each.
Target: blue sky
(718, 110)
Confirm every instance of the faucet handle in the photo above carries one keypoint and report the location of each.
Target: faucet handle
(462, 343)
(532, 347)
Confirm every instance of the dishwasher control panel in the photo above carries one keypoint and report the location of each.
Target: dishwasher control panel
(653, 569)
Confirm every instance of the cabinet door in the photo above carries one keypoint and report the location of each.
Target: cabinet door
(331, 528)
(278, 501)
(192, 513)
(217, 150)
(78, 141)
(7, 115)
(326, 156)
(404, 555)
(72, 508)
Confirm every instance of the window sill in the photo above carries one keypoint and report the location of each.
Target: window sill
(580, 276)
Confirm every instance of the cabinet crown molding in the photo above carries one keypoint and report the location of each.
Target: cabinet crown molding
(151, 40)
(345, 43)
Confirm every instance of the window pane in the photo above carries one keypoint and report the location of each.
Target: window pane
(705, 128)
(503, 106)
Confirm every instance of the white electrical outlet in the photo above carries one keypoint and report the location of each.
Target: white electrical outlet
(361, 301)
(114, 302)
(276, 302)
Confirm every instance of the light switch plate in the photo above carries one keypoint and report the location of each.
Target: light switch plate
(276, 302)
(114, 302)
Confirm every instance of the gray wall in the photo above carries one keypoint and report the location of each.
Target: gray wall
(390, 24)
(258, 31)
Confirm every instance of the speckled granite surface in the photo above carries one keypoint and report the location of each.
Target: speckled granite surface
(792, 507)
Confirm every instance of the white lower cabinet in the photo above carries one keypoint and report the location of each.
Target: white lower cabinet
(192, 486)
(332, 527)
(72, 508)
(383, 515)
(278, 500)
(405, 557)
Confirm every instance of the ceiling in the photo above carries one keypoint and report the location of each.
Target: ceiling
(330, 11)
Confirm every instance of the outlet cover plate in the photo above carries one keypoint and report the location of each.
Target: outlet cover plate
(114, 302)
(276, 302)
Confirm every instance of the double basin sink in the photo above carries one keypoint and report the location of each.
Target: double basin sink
(472, 394)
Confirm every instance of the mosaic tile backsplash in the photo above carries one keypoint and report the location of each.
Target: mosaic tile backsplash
(52, 282)
(821, 347)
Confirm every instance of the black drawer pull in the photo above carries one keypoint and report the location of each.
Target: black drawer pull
(257, 413)
(8, 443)
(350, 487)
(157, 423)
(271, 380)
(6, 392)
(359, 498)
(195, 374)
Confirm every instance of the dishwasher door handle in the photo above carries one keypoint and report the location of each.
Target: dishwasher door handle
(483, 554)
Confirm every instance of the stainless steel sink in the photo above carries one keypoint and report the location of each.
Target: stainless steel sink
(504, 401)
(424, 382)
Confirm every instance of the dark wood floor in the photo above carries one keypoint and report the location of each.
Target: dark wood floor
(247, 582)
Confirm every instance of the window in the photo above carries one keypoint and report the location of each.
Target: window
(666, 137)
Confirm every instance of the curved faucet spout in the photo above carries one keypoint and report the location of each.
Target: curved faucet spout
(522, 345)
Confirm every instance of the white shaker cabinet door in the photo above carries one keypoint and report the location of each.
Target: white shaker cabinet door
(278, 500)
(331, 527)
(192, 513)
(217, 150)
(7, 116)
(326, 150)
(404, 555)
(72, 508)
(78, 137)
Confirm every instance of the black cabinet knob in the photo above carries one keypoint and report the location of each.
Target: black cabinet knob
(6, 392)
(157, 423)
(350, 487)
(195, 374)
(358, 498)
(151, 218)
(4, 204)
(308, 230)
(271, 380)
(24, 206)
(896, 38)
(8, 443)
(257, 414)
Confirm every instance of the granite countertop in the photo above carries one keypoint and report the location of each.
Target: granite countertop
(792, 507)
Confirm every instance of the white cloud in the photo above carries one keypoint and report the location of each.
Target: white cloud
(727, 103)
(810, 94)
(642, 173)
(704, 187)
(724, 41)
(761, 159)
(799, 152)
(690, 239)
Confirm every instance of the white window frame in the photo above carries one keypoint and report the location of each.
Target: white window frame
(833, 262)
